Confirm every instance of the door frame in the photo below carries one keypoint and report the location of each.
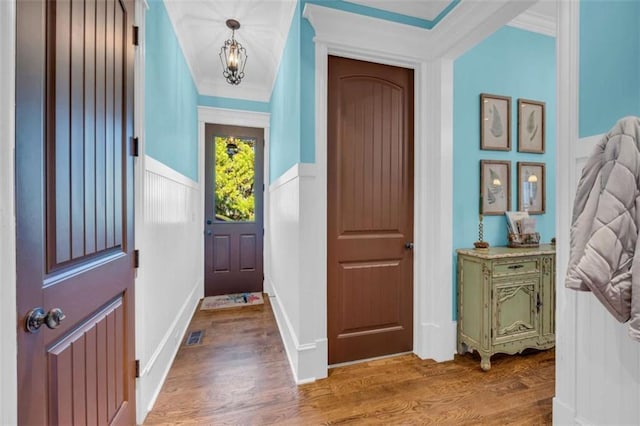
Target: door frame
(433, 325)
(9, 330)
(242, 118)
(430, 53)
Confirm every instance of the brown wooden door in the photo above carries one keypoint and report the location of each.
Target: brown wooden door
(370, 210)
(233, 209)
(74, 210)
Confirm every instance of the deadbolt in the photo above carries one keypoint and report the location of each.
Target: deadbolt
(36, 317)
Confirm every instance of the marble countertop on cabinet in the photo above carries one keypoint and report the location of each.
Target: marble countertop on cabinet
(501, 252)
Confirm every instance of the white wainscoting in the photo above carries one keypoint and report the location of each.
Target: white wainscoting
(298, 306)
(170, 280)
(606, 359)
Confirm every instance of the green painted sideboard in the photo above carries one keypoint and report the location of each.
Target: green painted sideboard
(506, 300)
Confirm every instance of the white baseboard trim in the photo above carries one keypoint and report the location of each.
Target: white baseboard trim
(563, 414)
(439, 341)
(308, 361)
(154, 373)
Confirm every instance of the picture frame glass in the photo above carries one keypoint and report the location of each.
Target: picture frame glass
(495, 116)
(531, 127)
(531, 184)
(495, 180)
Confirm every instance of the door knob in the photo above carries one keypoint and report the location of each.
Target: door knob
(209, 232)
(36, 317)
(408, 246)
(209, 221)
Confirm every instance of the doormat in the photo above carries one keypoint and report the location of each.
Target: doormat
(231, 301)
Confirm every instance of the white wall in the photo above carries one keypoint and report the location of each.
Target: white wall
(297, 305)
(597, 363)
(8, 344)
(170, 280)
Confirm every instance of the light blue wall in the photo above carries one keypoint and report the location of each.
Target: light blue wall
(232, 103)
(515, 63)
(609, 63)
(171, 98)
(284, 139)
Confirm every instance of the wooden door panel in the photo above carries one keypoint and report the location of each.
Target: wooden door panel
(222, 248)
(77, 394)
(74, 210)
(372, 185)
(233, 249)
(370, 210)
(371, 300)
(248, 251)
(85, 138)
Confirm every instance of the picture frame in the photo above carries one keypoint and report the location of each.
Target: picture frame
(495, 122)
(495, 187)
(531, 126)
(531, 187)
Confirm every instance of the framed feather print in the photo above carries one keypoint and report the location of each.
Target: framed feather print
(495, 187)
(531, 126)
(495, 122)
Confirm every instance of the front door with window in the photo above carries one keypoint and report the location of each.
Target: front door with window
(233, 209)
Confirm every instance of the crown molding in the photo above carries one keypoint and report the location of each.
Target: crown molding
(535, 22)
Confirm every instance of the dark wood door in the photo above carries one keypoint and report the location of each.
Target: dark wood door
(74, 210)
(370, 210)
(233, 209)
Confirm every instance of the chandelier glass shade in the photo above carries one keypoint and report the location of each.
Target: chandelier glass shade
(233, 56)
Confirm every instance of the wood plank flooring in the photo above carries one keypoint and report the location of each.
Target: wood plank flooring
(239, 374)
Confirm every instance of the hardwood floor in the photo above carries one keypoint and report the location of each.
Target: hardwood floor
(239, 374)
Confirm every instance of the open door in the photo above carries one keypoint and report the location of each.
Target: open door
(74, 212)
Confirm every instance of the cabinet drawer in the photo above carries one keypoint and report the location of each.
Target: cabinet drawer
(515, 267)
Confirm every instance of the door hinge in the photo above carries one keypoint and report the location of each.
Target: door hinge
(136, 35)
(263, 187)
(136, 259)
(135, 146)
(137, 368)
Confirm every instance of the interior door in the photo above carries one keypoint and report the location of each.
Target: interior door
(233, 209)
(370, 210)
(74, 212)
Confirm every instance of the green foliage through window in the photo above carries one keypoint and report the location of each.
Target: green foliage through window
(235, 198)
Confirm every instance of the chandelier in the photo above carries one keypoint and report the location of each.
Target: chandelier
(233, 56)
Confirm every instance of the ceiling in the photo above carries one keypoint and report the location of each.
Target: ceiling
(201, 30)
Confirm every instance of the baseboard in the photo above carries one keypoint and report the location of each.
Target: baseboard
(308, 361)
(563, 414)
(437, 341)
(154, 373)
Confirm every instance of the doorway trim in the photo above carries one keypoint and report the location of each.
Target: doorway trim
(8, 341)
(434, 328)
(430, 53)
(567, 119)
(234, 117)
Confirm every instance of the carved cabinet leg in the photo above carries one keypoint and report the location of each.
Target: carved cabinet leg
(462, 348)
(485, 362)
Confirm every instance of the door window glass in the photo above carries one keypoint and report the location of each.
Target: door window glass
(234, 179)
